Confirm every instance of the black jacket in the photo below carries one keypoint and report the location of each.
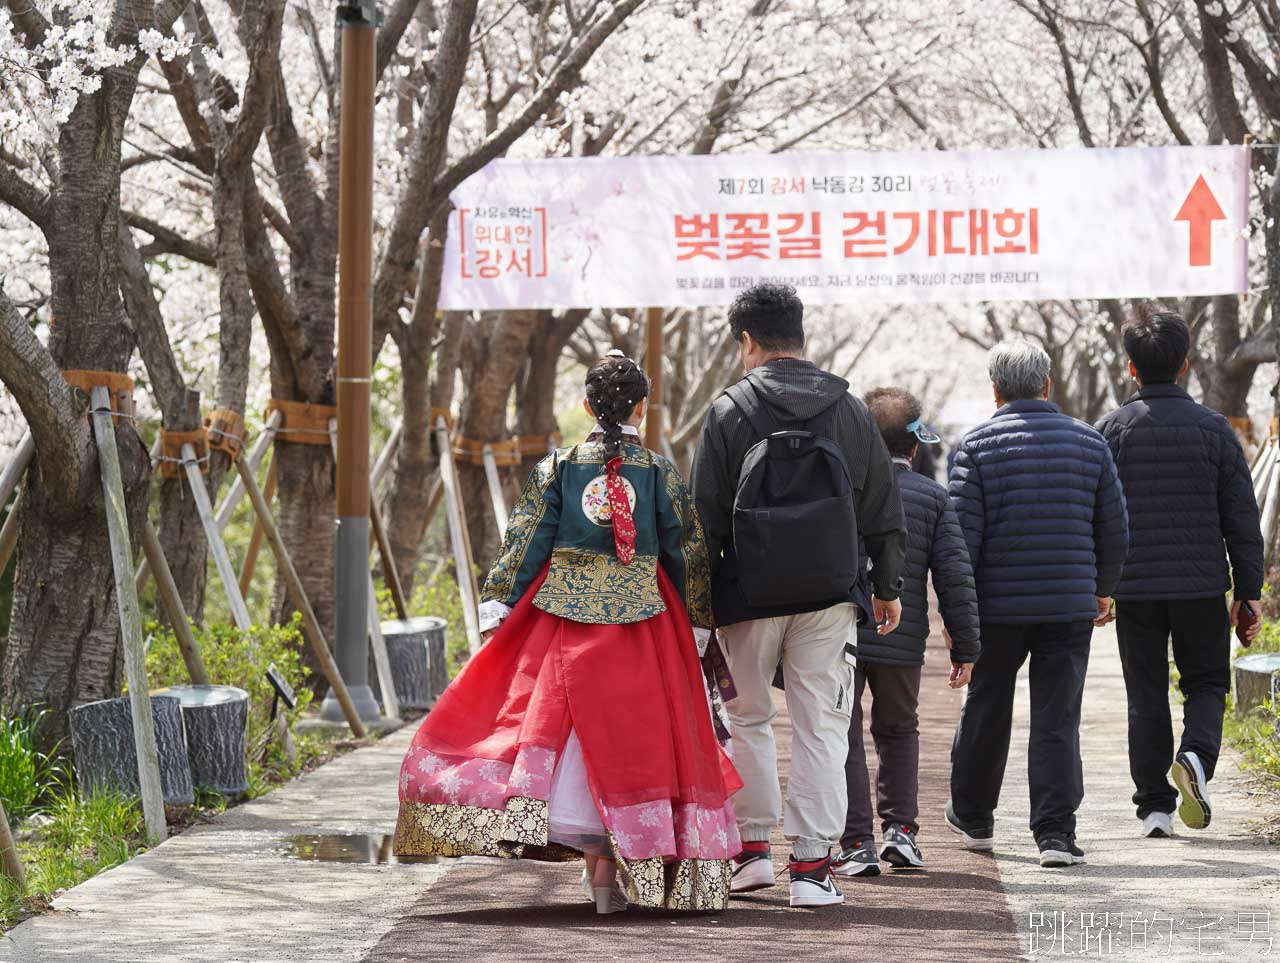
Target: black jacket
(934, 544)
(1189, 491)
(797, 392)
(1043, 515)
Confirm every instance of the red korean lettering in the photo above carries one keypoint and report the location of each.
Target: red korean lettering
(1017, 226)
(800, 236)
(697, 235)
(913, 231)
(746, 235)
(949, 245)
(876, 241)
(978, 241)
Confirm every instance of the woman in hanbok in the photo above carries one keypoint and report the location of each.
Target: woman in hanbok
(581, 727)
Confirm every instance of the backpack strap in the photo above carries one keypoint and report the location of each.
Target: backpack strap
(748, 401)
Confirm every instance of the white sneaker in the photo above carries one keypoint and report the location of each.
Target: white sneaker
(609, 899)
(753, 873)
(1188, 776)
(816, 887)
(1157, 825)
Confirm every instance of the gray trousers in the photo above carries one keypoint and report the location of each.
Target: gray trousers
(819, 696)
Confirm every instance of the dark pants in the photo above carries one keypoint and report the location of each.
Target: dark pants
(1059, 654)
(1201, 634)
(895, 694)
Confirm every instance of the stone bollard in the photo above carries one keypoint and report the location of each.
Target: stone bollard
(216, 720)
(416, 650)
(105, 757)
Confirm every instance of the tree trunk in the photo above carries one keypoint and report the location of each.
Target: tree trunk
(307, 494)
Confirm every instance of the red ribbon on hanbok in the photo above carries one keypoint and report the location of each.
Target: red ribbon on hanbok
(624, 525)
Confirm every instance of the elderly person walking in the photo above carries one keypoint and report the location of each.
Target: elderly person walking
(1191, 507)
(1044, 518)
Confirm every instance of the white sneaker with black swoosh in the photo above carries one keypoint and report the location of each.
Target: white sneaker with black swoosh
(1188, 776)
(752, 871)
(812, 883)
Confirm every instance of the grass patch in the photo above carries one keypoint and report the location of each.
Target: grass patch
(1256, 736)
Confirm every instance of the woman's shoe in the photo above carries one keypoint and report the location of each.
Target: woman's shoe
(609, 899)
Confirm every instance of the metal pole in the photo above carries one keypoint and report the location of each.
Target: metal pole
(653, 427)
(357, 23)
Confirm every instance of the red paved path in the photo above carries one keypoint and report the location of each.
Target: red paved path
(955, 910)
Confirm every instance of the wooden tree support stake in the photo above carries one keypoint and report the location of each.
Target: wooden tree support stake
(381, 661)
(310, 624)
(217, 548)
(496, 497)
(144, 735)
(9, 533)
(1270, 517)
(458, 538)
(255, 540)
(11, 864)
(167, 590)
(383, 462)
(389, 570)
(13, 471)
(1262, 471)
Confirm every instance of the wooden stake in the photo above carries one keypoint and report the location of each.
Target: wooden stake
(1270, 517)
(458, 538)
(434, 499)
(217, 548)
(255, 539)
(13, 471)
(11, 863)
(9, 533)
(167, 590)
(135, 669)
(229, 504)
(381, 661)
(390, 574)
(495, 490)
(310, 624)
(383, 462)
(1262, 473)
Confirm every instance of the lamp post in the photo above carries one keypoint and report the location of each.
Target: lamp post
(357, 31)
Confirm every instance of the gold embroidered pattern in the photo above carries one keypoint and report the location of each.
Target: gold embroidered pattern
(587, 586)
(522, 526)
(686, 885)
(592, 453)
(518, 832)
(693, 546)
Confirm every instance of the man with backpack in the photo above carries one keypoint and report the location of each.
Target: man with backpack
(790, 471)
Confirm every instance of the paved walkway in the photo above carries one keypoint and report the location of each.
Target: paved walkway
(224, 893)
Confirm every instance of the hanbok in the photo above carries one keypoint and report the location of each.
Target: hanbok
(582, 725)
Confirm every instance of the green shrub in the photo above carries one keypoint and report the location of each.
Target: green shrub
(439, 596)
(27, 776)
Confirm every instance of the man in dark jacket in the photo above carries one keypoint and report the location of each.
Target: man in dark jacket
(890, 665)
(1191, 506)
(808, 637)
(1044, 518)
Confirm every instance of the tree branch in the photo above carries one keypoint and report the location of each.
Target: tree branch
(169, 241)
(24, 197)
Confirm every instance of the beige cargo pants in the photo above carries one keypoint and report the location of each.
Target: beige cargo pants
(819, 683)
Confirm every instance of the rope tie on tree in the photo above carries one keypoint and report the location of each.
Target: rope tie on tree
(170, 461)
(227, 432)
(118, 384)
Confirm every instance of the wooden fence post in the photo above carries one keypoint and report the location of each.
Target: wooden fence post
(167, 590)
(310, 624)
(135, 668)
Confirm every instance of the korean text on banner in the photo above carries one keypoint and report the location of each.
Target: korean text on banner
(850, 228)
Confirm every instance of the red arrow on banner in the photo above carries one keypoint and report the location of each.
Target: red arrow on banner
(1200, 210)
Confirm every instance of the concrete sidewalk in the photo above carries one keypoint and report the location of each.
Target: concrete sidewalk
(224, 893)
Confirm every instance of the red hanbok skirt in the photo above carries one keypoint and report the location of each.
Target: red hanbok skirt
(477, 779)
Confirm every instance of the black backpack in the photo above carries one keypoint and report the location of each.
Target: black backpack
(795, 530)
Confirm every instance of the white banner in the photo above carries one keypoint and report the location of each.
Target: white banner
(850, 228)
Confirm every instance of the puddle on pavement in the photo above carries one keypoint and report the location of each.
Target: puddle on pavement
(365, 849)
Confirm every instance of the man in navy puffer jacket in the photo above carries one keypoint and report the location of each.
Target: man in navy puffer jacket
(890, 665)
(1191, 505)
(1044, 518)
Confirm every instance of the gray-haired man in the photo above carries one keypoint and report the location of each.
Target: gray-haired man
(1044, 518)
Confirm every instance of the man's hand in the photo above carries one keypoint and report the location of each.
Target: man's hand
(946, 637)
(887, 614)
(1251, 629)
(961, 673)
(1106, 612)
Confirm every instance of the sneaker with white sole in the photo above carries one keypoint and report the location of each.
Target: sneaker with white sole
(859, 860)
(980, 839)
(900, 850)
(812, 883)
(1188, 775)
(609, 899)
(752, 871)
(1057, 850)
(1157, 825)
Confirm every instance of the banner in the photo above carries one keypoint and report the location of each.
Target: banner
(850, 228)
